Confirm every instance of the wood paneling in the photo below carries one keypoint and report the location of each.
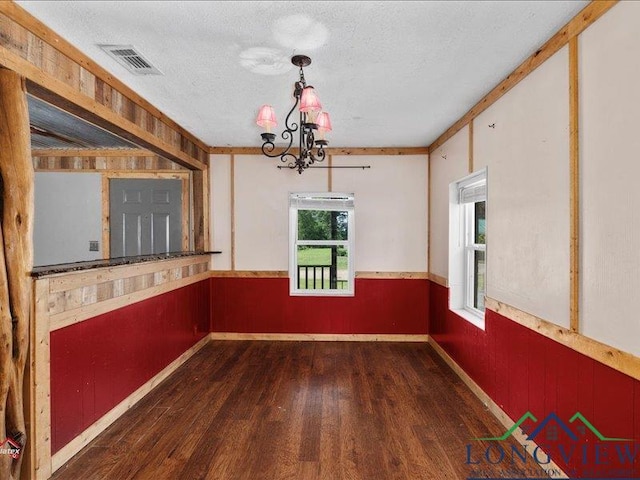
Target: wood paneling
(263, 305)
(87, 152)
(78, 443)
(496, 411)
(521, 369)
(49, 163)
(63, 300)
(95, 367)
(304, 410)
(82, 295)
(614, 358)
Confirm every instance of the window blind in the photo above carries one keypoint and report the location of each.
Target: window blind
(473, 193)
(321, 201)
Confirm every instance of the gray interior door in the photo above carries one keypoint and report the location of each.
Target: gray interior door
(145, 216)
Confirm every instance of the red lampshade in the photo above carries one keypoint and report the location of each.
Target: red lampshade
(266, 117)
(324, 122)
(309, 101)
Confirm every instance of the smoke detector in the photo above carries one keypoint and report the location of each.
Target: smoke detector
(130, 58)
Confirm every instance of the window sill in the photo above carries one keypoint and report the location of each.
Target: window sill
(470, 317)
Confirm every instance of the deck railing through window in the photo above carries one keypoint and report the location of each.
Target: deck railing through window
(319, 277)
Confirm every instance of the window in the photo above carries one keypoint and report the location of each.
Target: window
(321, 244)
(467, 248)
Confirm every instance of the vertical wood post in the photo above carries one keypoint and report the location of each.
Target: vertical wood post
(574, 174)
(201, 209)
(16, 259)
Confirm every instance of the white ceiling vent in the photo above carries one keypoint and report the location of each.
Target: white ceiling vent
(131, 59)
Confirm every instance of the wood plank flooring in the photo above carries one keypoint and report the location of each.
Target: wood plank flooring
(301, 411)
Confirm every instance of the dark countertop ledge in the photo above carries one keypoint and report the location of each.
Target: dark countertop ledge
(43, 271)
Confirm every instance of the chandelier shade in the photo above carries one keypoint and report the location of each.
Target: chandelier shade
(324, 122)
(311, 120)
(267, 118)
(309, 101)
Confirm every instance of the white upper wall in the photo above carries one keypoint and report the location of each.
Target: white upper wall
(390, 210)
(448, 163)
(527, 155)
(262, 210)
(220, 204)
(610, 198)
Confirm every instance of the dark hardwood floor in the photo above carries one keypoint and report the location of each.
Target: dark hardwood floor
(297, 410)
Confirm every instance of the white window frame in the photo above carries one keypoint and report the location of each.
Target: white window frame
(337, 202)
(463, 195)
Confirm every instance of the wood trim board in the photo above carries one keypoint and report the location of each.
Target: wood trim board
(330, 151)
(574, 193)
(442, 281)
(319, 337)
(285, 274)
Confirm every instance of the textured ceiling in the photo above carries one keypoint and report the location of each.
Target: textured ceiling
(389, 73)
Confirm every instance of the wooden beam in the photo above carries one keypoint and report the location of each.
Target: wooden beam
(577, 25)
(330, 151)
(329, 173)
(16, 261)
(63, 96)
(574, 176)
(99, 152)
(26, 20)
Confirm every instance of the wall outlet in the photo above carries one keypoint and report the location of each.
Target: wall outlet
(94, 246)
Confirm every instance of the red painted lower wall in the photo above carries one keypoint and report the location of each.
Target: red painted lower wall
(263, 305)
(522, 371)
(97, 363)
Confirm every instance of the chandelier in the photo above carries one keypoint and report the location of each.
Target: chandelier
(312, 120)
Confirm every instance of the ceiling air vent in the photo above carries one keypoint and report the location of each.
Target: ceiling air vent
(131, 59)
